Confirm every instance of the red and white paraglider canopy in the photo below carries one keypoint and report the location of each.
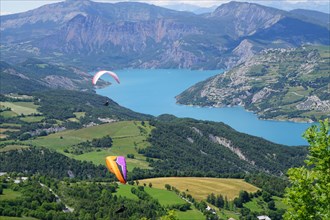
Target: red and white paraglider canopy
(100, 73)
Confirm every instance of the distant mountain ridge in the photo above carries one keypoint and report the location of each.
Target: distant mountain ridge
(127, 34)
(314, 15)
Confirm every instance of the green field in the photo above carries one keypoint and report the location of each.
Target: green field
(79, 114)
(32, 118)
(8, 114)
(12, 147)
(10, 125)
(125, 191)
(9, 194)
(165, 198)
(200, 187)
(126, 135)
(16, 218)
(258, 205)
(255, 205)
(279, 203)
(226, 214)
(2, 130)
(25, 108)
(192, 214)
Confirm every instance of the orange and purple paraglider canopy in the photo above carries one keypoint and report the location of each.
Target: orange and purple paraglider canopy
(117, 166)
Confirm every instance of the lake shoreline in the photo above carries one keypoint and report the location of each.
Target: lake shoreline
(153, 92)
(284, 119)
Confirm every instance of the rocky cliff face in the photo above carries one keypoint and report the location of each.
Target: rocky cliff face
(277, 84)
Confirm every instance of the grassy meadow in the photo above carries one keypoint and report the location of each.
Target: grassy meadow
(127, 136)
(25, 108)
(12, 147)
(9, 194)
(200, 187)
(165, 198)
(16, 218)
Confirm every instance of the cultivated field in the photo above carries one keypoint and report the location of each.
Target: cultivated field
(200, 187)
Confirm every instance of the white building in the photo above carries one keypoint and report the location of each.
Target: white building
(263, 217)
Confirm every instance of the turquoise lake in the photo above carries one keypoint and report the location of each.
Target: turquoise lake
(153, 92)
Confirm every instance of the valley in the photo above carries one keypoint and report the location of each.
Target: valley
(218, 115)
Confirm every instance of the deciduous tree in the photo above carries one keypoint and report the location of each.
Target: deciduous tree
(309, 194)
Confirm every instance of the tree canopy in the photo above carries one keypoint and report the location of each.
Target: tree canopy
(309, 194)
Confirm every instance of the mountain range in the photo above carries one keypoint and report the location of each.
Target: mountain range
(128, 34)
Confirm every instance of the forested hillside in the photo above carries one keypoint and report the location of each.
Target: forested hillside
(188, 147)
(61, 104)
(35, 75)
(45, 162)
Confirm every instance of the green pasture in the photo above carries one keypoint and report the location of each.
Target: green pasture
(10, 125)
(125, 191)
(16, 218)
(73, 119)
(79, 114)
(2, 130)
(8, 114)
(25, 108)
(164, 197)
(32, 118)
(126, 137)
(9, 194)
(279, 204)
(255, 205)
(192, 214)
(226, 214)
(258, 205)
(13, 147)
(200, 187)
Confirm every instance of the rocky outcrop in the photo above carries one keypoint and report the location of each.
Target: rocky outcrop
(227, 143)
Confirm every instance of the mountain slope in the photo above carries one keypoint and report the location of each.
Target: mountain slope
(315, 16)
(187, 147)
(35, 75)
(277, 84)
(120, 35)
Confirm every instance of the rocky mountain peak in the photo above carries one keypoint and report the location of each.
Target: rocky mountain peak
(245, 18)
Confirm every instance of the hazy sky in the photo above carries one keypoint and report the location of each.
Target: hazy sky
(15, 6)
